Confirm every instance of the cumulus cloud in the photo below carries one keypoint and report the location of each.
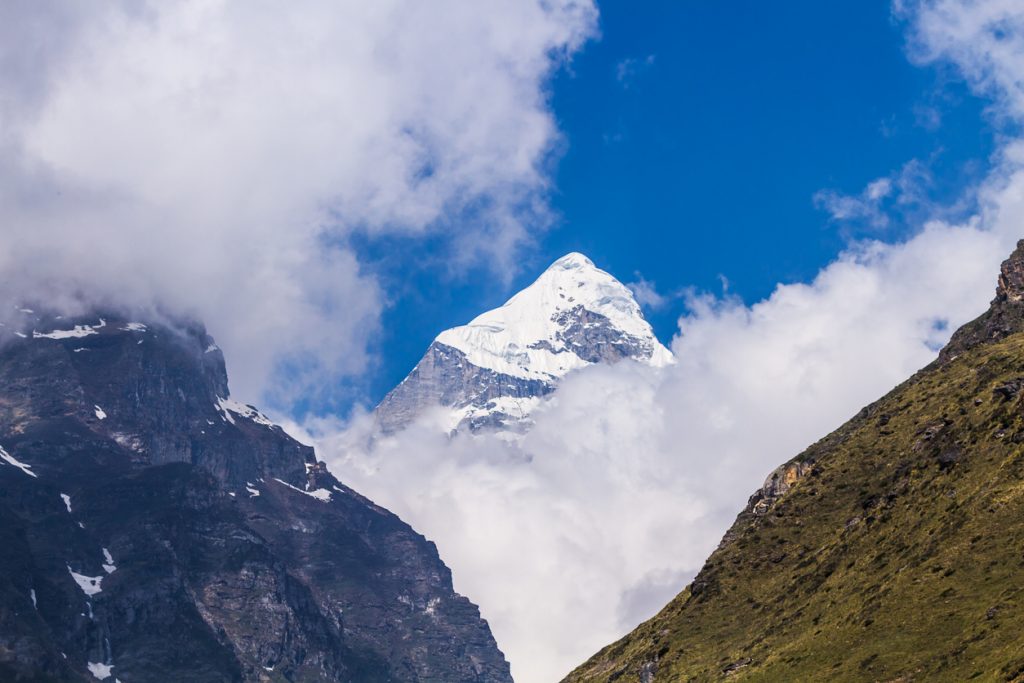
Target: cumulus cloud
(214, 156)
(607, 507)
(901, 194)
(647, 295)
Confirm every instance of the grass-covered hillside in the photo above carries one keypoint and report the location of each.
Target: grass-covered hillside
(896, 555)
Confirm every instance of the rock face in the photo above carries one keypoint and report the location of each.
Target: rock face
(888, 551)
(154, 529)
(777, 485)
(1005, 315)
(491, 373)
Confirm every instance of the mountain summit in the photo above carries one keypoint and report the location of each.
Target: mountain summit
(491, 372)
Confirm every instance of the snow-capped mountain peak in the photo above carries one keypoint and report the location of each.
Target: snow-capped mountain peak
(532, 335)
(493, 371)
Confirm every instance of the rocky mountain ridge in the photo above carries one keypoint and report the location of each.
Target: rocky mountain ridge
(155, 529)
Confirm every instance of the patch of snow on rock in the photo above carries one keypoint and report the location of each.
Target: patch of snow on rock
(100, 672)
(228, 405)
(11, 460)
(76, 331)
(90, 585)
(129, 441)
(100, 414)
(323, 495)
(67, 501)
(108, 562)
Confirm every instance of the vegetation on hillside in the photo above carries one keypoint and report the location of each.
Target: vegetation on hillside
(897, 556)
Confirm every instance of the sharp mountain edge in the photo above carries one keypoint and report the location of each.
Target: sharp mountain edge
(891, 550)
(154, 529)
(494, 371)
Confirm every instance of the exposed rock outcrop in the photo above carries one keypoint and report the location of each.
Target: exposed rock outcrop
(1005, 315)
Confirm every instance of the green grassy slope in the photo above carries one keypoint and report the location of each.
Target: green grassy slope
(898, 555)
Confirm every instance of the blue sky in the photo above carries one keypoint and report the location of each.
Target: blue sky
(695, 137)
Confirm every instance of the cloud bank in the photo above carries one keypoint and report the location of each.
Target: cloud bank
(631, 475)
(214, 156)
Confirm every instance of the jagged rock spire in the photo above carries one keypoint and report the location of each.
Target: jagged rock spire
(1005, 315)
(1011, 277)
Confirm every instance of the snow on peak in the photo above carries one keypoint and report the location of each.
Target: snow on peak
(573, 261)
(522, 337)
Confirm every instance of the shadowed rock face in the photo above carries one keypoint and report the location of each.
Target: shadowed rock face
(150, 523)
(445, 377)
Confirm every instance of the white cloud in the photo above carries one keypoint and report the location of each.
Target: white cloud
(900, 193)
(647, 295)
(629, 69)
(878, 189)
(631, 475)
(214, 155)
(981, 38)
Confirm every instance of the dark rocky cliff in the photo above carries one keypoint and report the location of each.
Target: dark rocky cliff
(153, 529)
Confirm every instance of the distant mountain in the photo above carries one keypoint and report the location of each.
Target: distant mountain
(491, 373)
(154, 529)
(891, 550)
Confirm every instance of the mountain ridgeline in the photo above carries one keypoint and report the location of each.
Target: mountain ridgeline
(493, 372)
(154, 529)
(891, 550)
